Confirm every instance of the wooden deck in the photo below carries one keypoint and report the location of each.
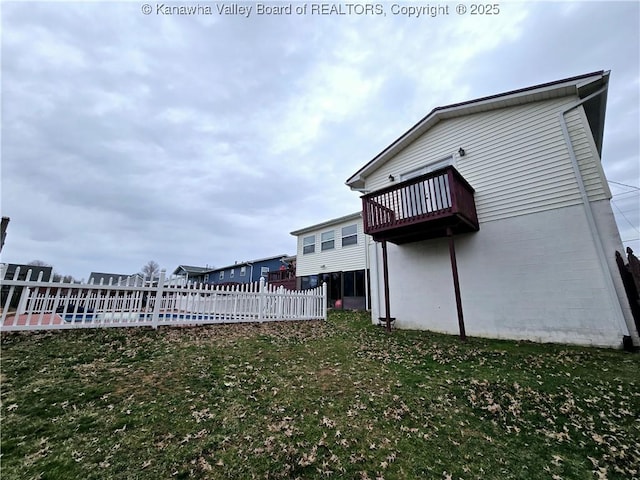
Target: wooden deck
(424, 207)
(282, 278)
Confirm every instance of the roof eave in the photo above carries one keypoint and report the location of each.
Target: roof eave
(248, 263)
(555, 89)
(327, 223)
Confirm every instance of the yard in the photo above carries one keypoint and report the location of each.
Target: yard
(335, 399)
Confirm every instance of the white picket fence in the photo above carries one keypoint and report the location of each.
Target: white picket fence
(167, 301)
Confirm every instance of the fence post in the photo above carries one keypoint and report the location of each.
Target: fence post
(156, 304)
(324, 300)
(22, 303)
(280, 303)
(261, 298)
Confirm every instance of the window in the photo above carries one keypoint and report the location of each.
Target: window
(243, 271)
(326, 241)
(354, 285)
(309, 282)
(349, 235)
(308, 244)
(264, 271)
(232, 273)
(222, 275)
(206, 278)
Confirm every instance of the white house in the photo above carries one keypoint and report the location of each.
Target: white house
(492, 218)
(335, 252)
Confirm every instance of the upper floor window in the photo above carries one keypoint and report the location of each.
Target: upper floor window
(327, 241)
(309, 244)
(222, 275)
(264, 271)
(349, 235)
(232, 273)
(243, 271)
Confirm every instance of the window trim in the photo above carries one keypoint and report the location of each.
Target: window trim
(332, 240)
(344, 237)
(306, 245)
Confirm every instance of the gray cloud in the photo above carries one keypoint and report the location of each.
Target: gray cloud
(195, 140)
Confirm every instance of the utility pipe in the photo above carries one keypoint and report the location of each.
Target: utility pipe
(593, 228)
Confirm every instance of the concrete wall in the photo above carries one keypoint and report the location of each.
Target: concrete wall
(533, 277)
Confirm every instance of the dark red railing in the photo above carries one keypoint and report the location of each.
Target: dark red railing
(286, 278)
(437, 195)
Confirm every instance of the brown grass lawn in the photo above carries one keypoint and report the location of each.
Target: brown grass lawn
(335, 399)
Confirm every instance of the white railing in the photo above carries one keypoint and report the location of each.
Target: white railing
(39, 305)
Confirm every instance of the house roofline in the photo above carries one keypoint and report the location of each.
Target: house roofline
(116, 275)
(559, 88)
(191, 269)
(248, 262)
(327, 223)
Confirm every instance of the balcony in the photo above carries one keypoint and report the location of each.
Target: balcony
(421, 208)
(284, 278)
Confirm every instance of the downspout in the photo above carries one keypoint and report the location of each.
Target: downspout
(385, 275)
(376, 276)
(251, 273)
(366, 273)
(595, 234)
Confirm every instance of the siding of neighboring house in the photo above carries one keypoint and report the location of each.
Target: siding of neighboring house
(343, 268)
(251, 274)
(516, 158)
(350, 257)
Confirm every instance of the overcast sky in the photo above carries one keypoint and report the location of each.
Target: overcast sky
(206, 139)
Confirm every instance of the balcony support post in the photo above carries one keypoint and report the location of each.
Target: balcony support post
(456, 284)
(385, 275)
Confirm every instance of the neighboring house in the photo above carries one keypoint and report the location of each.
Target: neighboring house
(244, 272)
(285, 276)
(516, 179)
(335, 252)
(192, 274)
(8, 271)
(135, 279)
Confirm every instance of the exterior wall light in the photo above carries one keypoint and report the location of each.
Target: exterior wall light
(461, 152)
(391, 178)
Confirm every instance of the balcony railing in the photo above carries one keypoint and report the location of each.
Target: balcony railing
(285, 278)
(421, 208)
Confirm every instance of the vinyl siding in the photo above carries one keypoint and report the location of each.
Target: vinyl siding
(339, 259)
(214, 275)
(516, 158)
(587, 155)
